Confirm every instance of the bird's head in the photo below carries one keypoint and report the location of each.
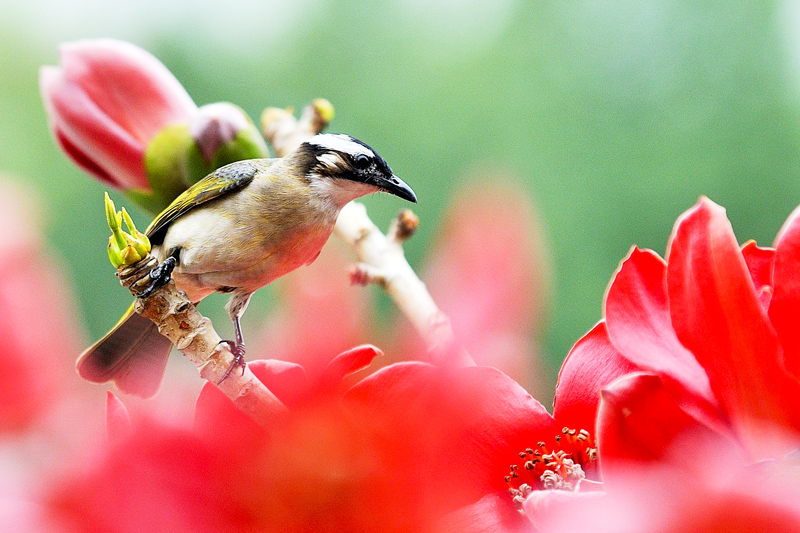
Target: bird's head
(345, 168)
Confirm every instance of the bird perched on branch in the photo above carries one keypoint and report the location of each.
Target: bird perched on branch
(235, 231)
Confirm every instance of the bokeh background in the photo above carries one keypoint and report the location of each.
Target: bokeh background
(612, 117)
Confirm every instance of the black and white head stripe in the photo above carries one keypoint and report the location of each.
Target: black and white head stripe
(339, 142)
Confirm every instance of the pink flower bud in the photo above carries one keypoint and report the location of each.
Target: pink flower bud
(106, 101)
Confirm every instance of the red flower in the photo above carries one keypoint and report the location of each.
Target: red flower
(592, 364)
(715, 322)
(713, 330)
(396, 452)
(39, 335)
(709, 346)
(666, 472)
(106, 102)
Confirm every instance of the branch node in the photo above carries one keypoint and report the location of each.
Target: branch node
(403, 226)
(364, 274)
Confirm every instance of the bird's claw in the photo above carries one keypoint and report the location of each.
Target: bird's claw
(159, 276)
(237, 349)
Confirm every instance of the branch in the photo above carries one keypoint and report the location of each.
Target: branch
(194, 335)
(178, 320)
(381, 258)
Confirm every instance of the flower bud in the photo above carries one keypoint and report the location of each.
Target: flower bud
(222, 134)
(105, 103)
(181, 154)
(124, 248)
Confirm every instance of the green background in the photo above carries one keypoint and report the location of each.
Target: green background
(615, 116)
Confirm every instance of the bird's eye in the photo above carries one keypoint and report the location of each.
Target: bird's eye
(361, 161)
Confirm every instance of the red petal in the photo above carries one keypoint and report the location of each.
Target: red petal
(453, 430)
(761, 265)
(118, 421)
(128, 84)
(717, 315)
(638, 421)
(285, 380)
(350, 361)
(640, 327)
(784, 308)
(494, 513)
(592, 364)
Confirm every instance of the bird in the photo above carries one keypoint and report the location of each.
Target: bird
(235, 231)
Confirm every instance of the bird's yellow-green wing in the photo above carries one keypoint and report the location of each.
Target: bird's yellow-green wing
(224, 180)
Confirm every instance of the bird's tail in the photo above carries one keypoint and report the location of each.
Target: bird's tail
(133, 354)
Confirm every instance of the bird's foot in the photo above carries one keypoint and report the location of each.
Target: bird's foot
(159, 276)
(237, 349)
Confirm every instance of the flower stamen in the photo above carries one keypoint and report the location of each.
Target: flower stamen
(561, 469)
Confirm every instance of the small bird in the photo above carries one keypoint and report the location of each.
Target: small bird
(235, 231)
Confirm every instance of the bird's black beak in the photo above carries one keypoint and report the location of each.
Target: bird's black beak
(397, 187)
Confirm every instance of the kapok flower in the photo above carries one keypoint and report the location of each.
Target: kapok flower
(563, 457)
(698, 439)
(395, 452)
(716, 322)
(36, 325)
(120, 115)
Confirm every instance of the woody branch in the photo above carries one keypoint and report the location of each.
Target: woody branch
(179, 320)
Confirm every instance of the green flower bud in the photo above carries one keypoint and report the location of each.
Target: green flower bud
(165, 162)
(323, 110)
(124, 248)
(181, 154)
(222, 134)
(114, 253)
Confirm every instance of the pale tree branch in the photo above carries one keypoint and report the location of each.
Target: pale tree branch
(380, 257)
(194, 335)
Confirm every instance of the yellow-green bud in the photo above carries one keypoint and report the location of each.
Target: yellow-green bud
(324, 109)
(124, 248)
(114, 253)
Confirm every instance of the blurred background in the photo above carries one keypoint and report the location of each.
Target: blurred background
(609, 118)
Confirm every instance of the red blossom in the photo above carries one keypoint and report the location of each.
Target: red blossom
(712, 332)
(592, 364)
(396, 452)
(38, 331)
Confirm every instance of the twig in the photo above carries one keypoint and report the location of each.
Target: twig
(194, 335)
(381, 258)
